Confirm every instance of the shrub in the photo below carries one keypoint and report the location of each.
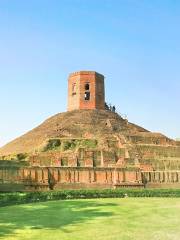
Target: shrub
(52, 144)
(69, 144)
(30, 197)
(89, 143)
(21, 156)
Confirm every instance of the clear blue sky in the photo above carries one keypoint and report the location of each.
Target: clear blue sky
(135, 44)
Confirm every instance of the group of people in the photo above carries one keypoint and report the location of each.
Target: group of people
(110, 107)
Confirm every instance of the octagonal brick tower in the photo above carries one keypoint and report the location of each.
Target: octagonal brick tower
(86, 91)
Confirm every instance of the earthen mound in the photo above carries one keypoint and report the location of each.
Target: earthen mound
(75, 124)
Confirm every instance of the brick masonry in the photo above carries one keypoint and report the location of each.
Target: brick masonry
(45, 178)
(86, 91)
(123, 155)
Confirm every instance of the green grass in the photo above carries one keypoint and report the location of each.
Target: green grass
(97, 219)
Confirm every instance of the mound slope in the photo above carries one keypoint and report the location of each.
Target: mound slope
(76, 124)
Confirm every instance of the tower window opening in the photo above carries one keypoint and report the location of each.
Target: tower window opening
(87, 87)
(74, 89)
(87, 96)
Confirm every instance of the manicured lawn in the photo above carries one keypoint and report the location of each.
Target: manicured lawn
(98, 219)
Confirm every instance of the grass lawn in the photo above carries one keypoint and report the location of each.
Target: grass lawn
(99, 219)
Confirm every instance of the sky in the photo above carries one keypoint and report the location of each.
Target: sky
(134, 44)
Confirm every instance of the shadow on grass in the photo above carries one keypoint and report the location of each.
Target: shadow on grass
(50, 215)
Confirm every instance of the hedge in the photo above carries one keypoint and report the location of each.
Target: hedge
(7, 199)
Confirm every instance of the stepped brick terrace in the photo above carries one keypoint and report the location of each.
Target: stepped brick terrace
(89, 146)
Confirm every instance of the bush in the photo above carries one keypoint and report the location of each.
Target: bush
(31, 197)
(67, 145)
(52, 144)
(21, 156)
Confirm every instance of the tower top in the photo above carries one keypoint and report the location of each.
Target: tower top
(85, 73)
(86, 91)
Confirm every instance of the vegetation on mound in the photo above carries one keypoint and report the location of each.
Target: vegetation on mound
(69, 144)
(52, 144)
(15, 157)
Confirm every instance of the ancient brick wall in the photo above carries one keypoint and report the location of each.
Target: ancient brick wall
(43, 178)
(161, 179)
(73, 92)
(86, 91)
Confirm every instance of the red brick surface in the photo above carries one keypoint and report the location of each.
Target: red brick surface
(76, 91)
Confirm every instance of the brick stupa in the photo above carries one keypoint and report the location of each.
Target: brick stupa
(89, 146)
